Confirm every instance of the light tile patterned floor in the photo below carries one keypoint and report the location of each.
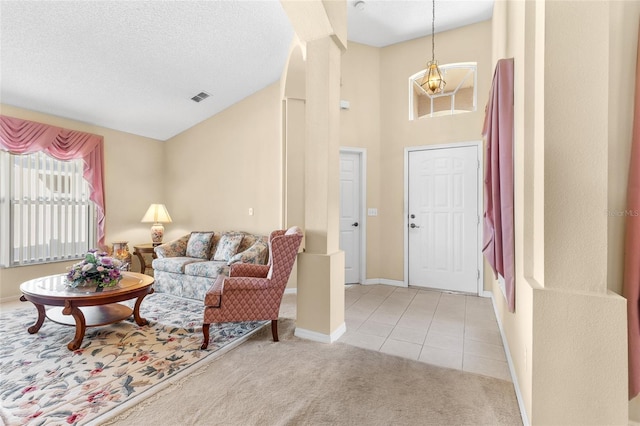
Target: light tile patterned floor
(450, 330)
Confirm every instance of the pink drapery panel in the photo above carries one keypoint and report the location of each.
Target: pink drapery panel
(24, 137)
(631, 286)
(499, 239)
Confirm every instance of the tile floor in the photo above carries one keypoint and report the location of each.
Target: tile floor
(450, 330)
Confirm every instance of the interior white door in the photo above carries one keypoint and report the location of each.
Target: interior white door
(443, 218)
(350, 215)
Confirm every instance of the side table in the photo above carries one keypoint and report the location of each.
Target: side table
(140, 251)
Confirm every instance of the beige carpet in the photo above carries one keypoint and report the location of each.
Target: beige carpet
(299, 382)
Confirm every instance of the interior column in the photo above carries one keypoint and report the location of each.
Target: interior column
(321, 266)
(321, 27)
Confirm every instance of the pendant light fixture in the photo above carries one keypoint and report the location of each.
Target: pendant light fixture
(432, 82)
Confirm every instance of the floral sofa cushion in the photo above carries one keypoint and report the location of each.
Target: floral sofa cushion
(173, 248)
(199, 245)
(209, 269)
(227, 246)
(256, 254)
(174, 264)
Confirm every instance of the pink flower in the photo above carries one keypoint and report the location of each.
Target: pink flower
(75, 417)
(96, 396)
(29, 389)
(95, 372)
(106, 261)
(34, 415)
(89, 384)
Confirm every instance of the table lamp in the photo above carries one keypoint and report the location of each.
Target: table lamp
(157, 214)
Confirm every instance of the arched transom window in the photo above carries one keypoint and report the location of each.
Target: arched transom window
(459, 95)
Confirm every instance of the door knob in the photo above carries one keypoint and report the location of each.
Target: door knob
(354, 224)
(413, 225)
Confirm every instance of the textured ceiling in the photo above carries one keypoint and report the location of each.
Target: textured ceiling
(384, 22)
(133, 66)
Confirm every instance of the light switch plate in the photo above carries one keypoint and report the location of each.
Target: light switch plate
(372, 212)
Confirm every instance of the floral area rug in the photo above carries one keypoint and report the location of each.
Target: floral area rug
(117, 365)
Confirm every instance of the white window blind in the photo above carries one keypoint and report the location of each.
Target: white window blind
(46, 214)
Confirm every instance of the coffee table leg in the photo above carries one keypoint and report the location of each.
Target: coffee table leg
(136, 309)
(41, 315)
(81, 324)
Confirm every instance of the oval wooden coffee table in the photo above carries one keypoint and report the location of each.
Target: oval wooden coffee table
(83, 307)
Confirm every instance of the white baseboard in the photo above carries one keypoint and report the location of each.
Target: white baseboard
(396, 283)
(514, 377)
(292, 290)
(319, 337)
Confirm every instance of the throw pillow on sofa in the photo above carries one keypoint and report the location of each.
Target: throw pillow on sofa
(227, 247)
(256, 254)
(198, 245)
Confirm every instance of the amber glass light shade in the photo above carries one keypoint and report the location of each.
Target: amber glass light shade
(433, 82)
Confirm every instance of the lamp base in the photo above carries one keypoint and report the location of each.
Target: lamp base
(157, 233)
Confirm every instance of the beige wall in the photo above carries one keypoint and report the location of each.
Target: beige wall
(360, 128)
(133, 180)
(623, 52)
(199, 174)
(374, 81)
(397, 63)
(567, 338)
(218, 169)
(623, 45)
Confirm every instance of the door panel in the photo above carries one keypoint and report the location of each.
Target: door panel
(350, 214)
(443, 218)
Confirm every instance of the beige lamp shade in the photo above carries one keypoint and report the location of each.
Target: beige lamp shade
(157, 214)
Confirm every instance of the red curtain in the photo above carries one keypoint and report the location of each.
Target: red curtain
(631, 286)
(23, 137)
(499, 237)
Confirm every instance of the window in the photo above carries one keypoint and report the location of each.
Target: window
(45, 211)
(459, 96)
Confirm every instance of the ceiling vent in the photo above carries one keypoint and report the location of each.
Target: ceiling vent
(200, 97)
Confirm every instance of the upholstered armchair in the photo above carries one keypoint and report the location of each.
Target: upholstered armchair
(253, 292)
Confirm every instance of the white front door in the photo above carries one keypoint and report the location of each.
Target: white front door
(350, 215)
(443, 218)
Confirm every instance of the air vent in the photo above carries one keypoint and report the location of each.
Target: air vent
(200, 97)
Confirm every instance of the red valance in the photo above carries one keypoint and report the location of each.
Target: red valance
(24, 137)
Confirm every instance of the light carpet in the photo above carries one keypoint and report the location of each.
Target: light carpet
(299, 382)
(117, 366)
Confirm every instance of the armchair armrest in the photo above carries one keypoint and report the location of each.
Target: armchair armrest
(245, 283)
(248, 270)
(175, 248)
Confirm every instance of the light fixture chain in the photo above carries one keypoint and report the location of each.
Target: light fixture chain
(433, 31)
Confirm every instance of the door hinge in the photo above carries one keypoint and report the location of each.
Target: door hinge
(478, 164)
(478, 273)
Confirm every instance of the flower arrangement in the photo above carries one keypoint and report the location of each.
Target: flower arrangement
(96, 269)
